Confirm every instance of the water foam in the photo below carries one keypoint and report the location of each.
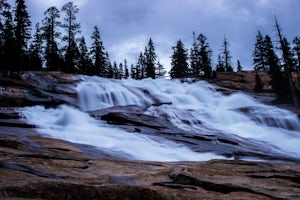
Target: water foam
(72, 125)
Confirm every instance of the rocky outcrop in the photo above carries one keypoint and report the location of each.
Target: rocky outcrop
(52, 169)
(37, 88)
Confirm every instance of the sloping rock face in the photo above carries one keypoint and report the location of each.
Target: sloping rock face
(52, 169)
(36, 167)
(37, 88)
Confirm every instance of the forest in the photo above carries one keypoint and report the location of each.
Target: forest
(56, 45)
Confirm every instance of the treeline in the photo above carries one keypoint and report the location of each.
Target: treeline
(49, 49)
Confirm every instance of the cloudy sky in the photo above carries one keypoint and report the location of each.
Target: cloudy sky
(127, 25)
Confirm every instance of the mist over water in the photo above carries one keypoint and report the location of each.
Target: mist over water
(195, 107)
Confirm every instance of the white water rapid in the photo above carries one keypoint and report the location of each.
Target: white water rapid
(194, 107)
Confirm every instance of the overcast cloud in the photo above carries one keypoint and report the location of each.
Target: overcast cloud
(127, 25)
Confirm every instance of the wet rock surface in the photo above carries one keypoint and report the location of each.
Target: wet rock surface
(36, 167)
(37, 88)
(54, 169)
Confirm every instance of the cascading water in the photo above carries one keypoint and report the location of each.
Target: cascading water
(194, 107)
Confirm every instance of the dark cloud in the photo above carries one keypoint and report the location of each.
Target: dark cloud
(126, 25)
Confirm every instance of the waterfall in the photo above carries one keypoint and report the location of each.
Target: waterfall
(194, 107)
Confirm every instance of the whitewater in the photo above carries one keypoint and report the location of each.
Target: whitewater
(195, 107)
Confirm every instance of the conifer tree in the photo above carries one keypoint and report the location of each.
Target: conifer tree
(238, 66)
(226, 56)
(160, 71)
(271, 61)
(179, 61)
(194, 58)
(296, 42)
(290, 56)
(98, 54)
(35, 50)
(72, 28)
(259, 60)
(204, 55)
(115, 70)
(150, 60)
(126, 72)
(121, 71)
(9, 49)
(140, 67)
(51, 35)
(85, 63)
(220, 65)
(22, 32)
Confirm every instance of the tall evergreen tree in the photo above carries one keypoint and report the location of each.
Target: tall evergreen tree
(126, 70)
(115, 70)
(85, 64)
(72, 28)
(194, 58)
(98, 53)
(22, 32)
(150, 60)
(204, 55)
(51, 35)
(238, 66)
(6, 35)
(226, 56)
(259, 54)
(220, 65)
(271, 61)
(179, 61)
(290, 55)
(160, 71)
(35, 50)
(296, 42)
(140, 67)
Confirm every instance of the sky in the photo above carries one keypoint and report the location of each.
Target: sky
(127, 25)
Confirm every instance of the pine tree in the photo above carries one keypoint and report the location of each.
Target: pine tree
(179, 61)
(271, 61)
(121, 71)
(290, 56)
(259, 60)
(220, 65)
(35, 50)
(115, 70)
(4, 7)
(132, 71)
(9, 49)
(204, 56)
(126, 72)
(194, 58)
(226, 56)
(85, 63)
(22, 32)
(140, 67)
(296, 42)
(98, 53)
(72, 28)
(150, 60)
(50, 33)
(239, 67)
(160, 71)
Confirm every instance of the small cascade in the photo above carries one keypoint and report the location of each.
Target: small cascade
(100, 93)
